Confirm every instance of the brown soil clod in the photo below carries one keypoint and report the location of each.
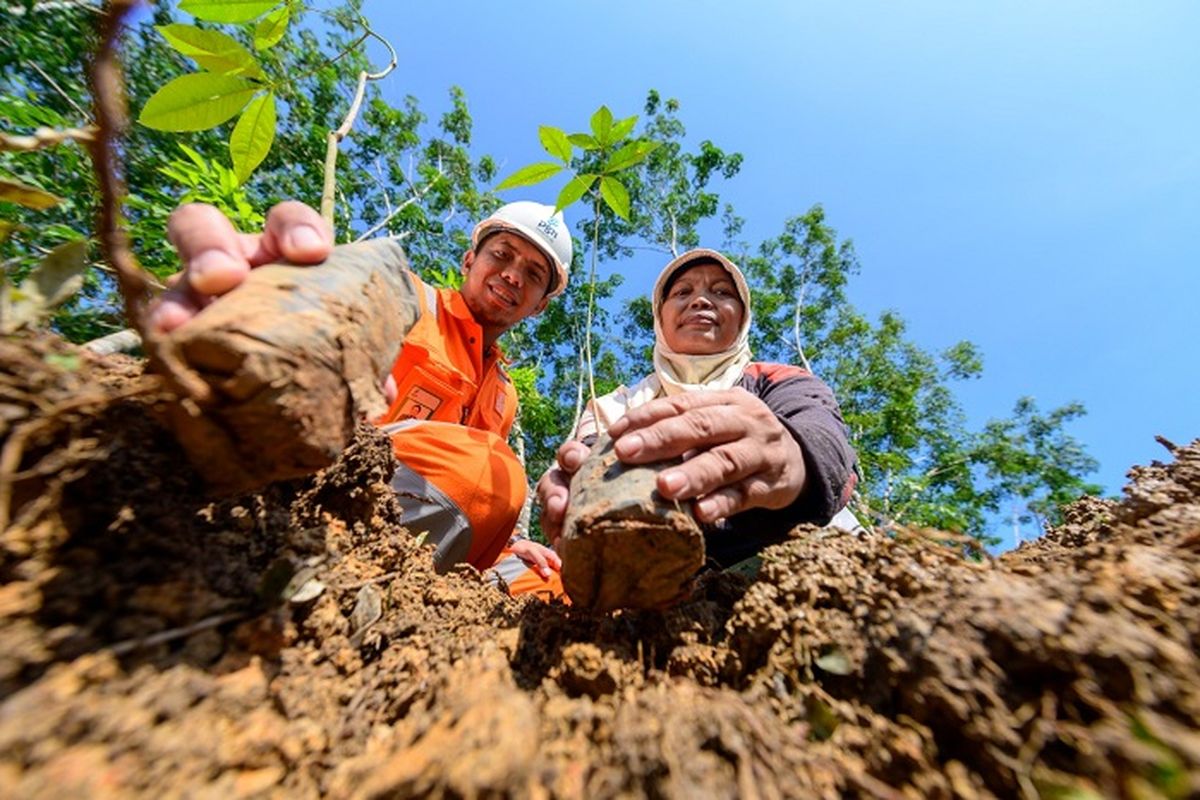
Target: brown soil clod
(291, 359)
(623, 545)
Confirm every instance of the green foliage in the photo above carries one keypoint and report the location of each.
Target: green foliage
(605, 135)
(252, 136)
(227, 10)
(234, 82)
(197, 102)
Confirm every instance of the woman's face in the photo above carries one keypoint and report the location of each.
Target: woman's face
(702, 312)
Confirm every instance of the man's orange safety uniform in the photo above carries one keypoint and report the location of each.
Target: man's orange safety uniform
(458, 481)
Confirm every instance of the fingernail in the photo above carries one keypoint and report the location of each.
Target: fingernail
(673, 481)
(304, 237)
(206, 263)
(706, 509)
(629, 446)
(545, 572)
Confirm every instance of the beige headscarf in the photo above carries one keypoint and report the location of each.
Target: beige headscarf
(675, 373)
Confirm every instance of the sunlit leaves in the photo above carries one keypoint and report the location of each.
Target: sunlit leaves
(253, 135)
(26, 195)
(197, 102)
(527, 176)
(630, 155)
(576, 188)
(227, 10)
(583, 141)
(601, 123)
(213, 50)
(206, 99)
(623, 128)
(270, 29)
(606, 133)
(615, 195)
(555, 142)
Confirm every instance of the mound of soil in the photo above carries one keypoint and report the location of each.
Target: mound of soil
(297, 642)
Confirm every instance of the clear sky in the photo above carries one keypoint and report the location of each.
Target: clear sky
(1023, 174)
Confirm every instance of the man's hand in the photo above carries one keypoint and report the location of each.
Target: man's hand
(554, 488)
(216, 258)
(738, 455)
(538, 556)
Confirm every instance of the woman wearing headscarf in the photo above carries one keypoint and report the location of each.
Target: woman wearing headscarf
(763, 445)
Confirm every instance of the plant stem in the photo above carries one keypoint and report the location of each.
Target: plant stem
(587, 336)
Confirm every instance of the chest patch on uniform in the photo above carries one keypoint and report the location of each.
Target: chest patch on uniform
(419, 403)
(500, 403)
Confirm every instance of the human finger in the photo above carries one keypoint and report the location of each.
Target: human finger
(571, 456)
(672, 436)
(293, 232)
(537, 560)
(209, 248)
(710, 470)
(666, 407)
(553, 495)
(733, 498)
(173, 308)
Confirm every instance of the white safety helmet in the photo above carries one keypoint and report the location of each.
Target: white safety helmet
(541, 225)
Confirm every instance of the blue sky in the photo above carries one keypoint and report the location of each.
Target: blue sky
(1022, 174)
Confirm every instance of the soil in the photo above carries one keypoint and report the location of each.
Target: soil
(157, 642)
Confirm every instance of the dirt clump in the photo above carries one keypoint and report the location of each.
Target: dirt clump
(154, 641)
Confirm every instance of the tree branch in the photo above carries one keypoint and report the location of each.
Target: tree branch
(45, 137)
(336, 136)
(417, 196)
(111, 120)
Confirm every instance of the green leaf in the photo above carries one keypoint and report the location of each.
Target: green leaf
(555, 142)
(213, 50)
(576, 188)
(26, 195)
(527, 176)
(623, 128)
(197, 102)
(270, 29)
(252, 136)
(227, 10)
(602, 122)
(630, 155)
(6, 229)
(615, 195)
(584, 140)
(194, 157)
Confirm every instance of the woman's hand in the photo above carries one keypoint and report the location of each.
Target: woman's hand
(738, 455)
(554, 488)
(216, 258)
(538, 556)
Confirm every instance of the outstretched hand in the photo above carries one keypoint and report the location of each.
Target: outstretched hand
(216, 258)
(738, 455)
(538, 556)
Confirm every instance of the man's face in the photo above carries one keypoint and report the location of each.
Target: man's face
(506, 281)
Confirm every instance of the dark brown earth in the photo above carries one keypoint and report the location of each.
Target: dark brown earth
(297, 642)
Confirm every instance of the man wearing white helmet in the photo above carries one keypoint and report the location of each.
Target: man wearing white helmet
(452, 403)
